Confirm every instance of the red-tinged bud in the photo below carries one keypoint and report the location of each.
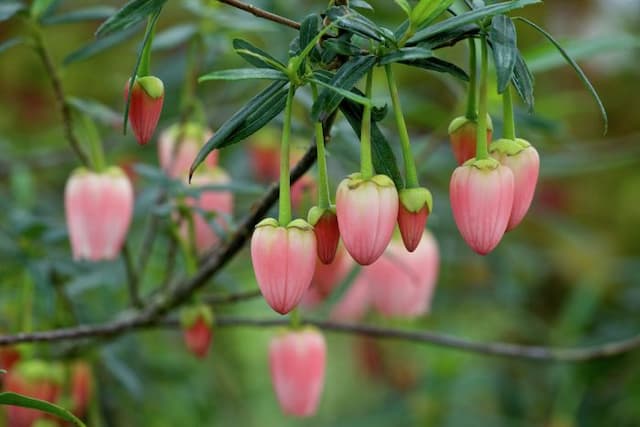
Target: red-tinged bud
(147, 96)
(402, 283)
(284, 259)
(81, 387)
(98, 207)
(356, 301)
(463, 137)
(196, 323)
(179, 145)
(481, 193)
(218, 203)
(414, 209)
(325, 225)
(9, 356)
(367, 213)
(524, 162)
(297, 361)
(326, 277)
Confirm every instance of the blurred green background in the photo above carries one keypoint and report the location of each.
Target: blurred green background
(568, 276)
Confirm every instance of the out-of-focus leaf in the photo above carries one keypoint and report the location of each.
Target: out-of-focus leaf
(40, 7)
(7, 44)
(131, 13)
(256, 56)
(96, 110)
(97, 46)
(523, 81)
(174, 37)
(350, 20)
(502, 36)
(406, 54)
(81, 15)
(404, 5)
(345, 78)
(9, 8)
(15, 399)
(583, 77)
(440, 66)
(244, 74)
(360, 4)
(466, 18)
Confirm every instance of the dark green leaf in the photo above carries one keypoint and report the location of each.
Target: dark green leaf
(350, 20)
(342, 47)
(583, 77)
(345, 78)
(97, 111)
(256, 56)
(466, 18)
(523, 82)
(131, 13)
(384, 161)
(440, 66)
(406, 54)
(89, 14)
(244, 74)
(174, 37)
(502, 37)
(10, 8)
(258, 119)
(309, 28)
(275, 93)
(450, 37)
(427, 11)
(345, 93)
(100, 45)
(360, 4)
(14, 399)
(7, 44)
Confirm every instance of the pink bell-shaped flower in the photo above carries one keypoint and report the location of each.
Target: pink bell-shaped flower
(297, 361)
(481, 193)
(326, 277)
(524, 162)
(325, 225)
(402, 283)
(179, 145)
(367, 212)
(215, 202)
(356, 301)
(284, 260)
(99, 208)
(462, 134)
(147, 96)
(413, 211)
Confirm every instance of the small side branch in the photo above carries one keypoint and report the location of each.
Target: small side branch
(260, 13)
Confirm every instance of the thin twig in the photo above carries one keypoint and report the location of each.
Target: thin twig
(256, 11)
(132, 277)
(231, 298)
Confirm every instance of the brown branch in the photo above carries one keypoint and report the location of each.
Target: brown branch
(231, 298)
(260, 13)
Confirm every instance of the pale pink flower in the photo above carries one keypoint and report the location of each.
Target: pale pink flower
(356, 301)
(99, 208)
(327, 276)
(178, 146)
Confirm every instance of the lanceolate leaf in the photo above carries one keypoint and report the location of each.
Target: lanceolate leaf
(309, 29)
(96, 111)
(100, 45)
(345, 78)
(502, 36)
(523, 81)
(254, 110)
(440, 66)
(174, 36)
(14, 399)
(244, 74)
(426, 11)
(256, 56)
(345, 93)
(130, 14)
(10, 8)
(404, 5)
(576, 68)
(350, 20)
(406, 54)
(466, 18)
(88, 14)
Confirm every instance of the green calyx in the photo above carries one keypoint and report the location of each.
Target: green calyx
(414, 199)
(355, 180)
(484, 164)
(152, 86)
(508, 147)
(462, 121)
(316, 212)
(190, 315)
(268, 222)
(35, 371)
(299, 223)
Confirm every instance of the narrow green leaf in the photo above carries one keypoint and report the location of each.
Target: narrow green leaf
(426, 11)
(97, 46)
(406, 54)
(450, 37)
(97, 111)
(9, 8)
(273, 94)
(256, 56)
(81, 15)
(503, 40)
(360, 4)
(309, 28)
(40, 7)
(350, 20)
(523, 82)
(583, 77)
(258, 119)
(384, 161)
(131, 13)
(404, 5)
(345, 78)
(244, 74)
(345, 93)
(7, 44)
(15, 399)
(440, 66)
(466, 18)
(174, 37)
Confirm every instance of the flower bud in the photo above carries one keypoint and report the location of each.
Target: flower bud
(524, 162)
(481, 193)
(179, 145)
(367, 212)
(402, 283)
(147, 96)
(284, 259)
(463, 137)
(99, 208)
(325, 226)
(81, 387)
(196, 323)
(415, 206)
(297, 362)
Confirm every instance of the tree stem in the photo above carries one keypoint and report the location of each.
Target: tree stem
(366, 163)
(284, 206)
(324, 192)
(507, 114)
(472, 108)
(481, 136)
